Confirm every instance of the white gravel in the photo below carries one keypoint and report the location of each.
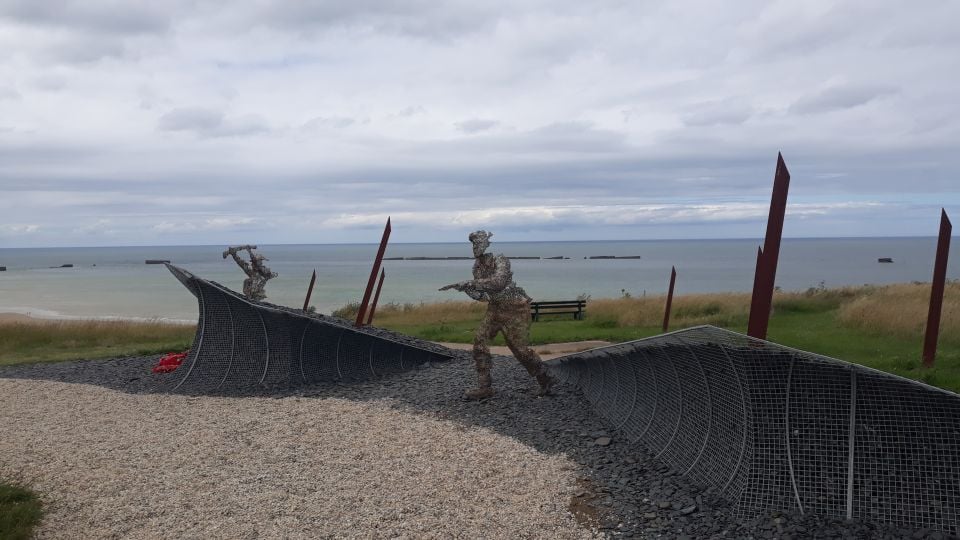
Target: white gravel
(112, 465)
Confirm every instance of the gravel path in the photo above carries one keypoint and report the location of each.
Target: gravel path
(402, 456)
(121, 465)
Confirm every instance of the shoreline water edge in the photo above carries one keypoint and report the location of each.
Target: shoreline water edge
(117, 284)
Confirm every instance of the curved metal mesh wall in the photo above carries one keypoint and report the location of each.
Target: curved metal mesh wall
(774, 428)
(241, 343)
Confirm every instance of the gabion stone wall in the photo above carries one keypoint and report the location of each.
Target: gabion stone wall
(242, 343)
(774, 428)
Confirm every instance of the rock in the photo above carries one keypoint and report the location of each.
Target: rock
(688, 510)
(650, 515)
(664, 504)
(602, 441)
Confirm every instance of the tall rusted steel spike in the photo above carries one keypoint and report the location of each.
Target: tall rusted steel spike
(313, 279)
(936, 291)
(373, 276)
(666, 311)
(765, 278)
(376, 298)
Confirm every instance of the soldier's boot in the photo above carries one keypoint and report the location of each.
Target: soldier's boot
(546, 383)
(484, 389)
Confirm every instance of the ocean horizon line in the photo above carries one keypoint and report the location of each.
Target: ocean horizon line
(494, 242)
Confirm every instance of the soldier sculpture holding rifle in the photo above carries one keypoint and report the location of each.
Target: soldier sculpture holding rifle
(508, 311)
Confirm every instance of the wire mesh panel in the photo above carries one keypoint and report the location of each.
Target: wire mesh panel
(818, 432)
(716, 462)
(693, 427)
(283, 332)
(242, 343)
(768, 477)
(353, 358)
(666, 419)
(774, 428)
(251, 353)
(910, 473)
(385, 358)
(210, 368)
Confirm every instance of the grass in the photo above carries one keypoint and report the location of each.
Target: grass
(20, 511)
(879, 327)
(873, 326)
(23, 341)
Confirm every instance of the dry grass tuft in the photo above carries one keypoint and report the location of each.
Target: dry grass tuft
(902, 310)
(26, 340)
(687, 310)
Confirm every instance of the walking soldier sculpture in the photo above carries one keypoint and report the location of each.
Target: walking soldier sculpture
(508, 311)
(257, 273)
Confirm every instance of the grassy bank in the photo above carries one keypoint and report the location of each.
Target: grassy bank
(879, 327)
(35, 340)
(20, 511)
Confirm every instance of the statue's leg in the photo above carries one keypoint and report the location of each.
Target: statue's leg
(481, 355)
(516, 332)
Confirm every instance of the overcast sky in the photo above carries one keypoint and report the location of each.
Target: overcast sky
(285, 121)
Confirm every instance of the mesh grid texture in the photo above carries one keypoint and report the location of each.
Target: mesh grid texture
(242, 343)
(775, 428)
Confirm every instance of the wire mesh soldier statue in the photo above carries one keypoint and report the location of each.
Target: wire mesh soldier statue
(257, 273)
(508, 311)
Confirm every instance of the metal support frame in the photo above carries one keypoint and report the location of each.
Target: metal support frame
(361, 314)
(376, 297)
(766, 273)
(936, 291)
(306, 301)
(666, 311)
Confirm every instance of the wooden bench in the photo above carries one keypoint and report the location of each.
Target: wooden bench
(558, 307)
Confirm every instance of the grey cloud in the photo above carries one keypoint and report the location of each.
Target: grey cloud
(840, 97)
(114, 17)
(412, 110)
(49, 82)
(713, 113)
(210, 123)
(417, 18)
(476, 125)
(85, 48)
(329, 122)
(9, 92)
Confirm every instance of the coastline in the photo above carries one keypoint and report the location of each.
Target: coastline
(43, 316)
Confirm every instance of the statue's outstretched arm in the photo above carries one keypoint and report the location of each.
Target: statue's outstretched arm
(244, 265)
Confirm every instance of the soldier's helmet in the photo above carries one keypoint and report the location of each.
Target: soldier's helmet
(480, 236)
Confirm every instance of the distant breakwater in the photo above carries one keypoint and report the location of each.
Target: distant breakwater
(558, 257)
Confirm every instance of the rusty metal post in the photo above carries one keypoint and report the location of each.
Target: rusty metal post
(376, 298)
(361, 313)
(666, 311)
(936, 291)
(313, 279)
(766, 273)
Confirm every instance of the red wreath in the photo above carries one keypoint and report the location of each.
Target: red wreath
(169, 363)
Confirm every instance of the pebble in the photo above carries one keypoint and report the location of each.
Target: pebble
(626, 473)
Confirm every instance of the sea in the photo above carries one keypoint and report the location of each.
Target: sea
(115, 282)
